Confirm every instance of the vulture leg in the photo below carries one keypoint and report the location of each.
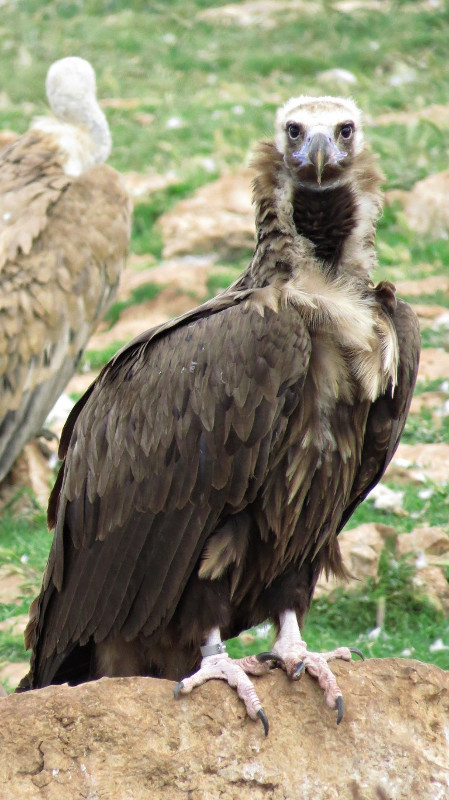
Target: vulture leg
(216, 664)
(290, 652)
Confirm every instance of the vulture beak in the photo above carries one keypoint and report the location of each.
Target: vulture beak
(319, 149)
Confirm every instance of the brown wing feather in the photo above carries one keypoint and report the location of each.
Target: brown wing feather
(62, 248)
(119, 562)
(32, 180)
(388, 414)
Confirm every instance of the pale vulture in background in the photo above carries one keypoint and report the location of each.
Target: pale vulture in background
(64, 235)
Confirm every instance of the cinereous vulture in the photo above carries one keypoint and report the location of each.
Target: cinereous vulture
(209, 469)
(64, 235)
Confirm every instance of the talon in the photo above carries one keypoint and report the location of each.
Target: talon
(340, 708)
(299, 670)
(262, 716)
(177, 689)
(262, 657)
(357, 652)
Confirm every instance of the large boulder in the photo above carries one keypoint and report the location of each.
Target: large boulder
(128, 739)
(425, 206)
(218, 218)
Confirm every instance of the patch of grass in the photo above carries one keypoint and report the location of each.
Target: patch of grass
(24, 540)
(24, 546)
(416, 511)
(221, 278)
(411, 624)
(405, 255)
(438, 298)
(435, 337)
(146, 237)
(148, 291)
(422, 428)
(435, 385)
(96, 359)
(12, 648)
(396, 142)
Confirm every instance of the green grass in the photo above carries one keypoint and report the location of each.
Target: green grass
(24, 545)
(416, 511)
(424, 429)
(96, 359)
(222, 277)
(351, 619)
(204, 92)
(411, 624)
(436, 385)
(143, 293)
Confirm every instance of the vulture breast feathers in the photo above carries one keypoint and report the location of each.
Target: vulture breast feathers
(64, 235)
(209, 469)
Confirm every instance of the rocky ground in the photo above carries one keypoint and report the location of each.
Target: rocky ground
(128, 738)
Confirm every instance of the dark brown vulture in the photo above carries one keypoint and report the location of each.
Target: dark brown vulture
(64, 235)
(209, 469)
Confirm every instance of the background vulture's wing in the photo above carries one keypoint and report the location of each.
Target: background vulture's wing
(178, 430)
(63, 243)
(388, 413)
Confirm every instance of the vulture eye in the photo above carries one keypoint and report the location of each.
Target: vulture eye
(294, 130)
(347, 130)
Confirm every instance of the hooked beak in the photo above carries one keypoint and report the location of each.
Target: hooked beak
(319, 150)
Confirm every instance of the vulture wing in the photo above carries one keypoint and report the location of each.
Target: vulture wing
(63, 242)
(185, 421)
(388, 414)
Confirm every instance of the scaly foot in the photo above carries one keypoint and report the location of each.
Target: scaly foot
(235, 672)
(290, 652)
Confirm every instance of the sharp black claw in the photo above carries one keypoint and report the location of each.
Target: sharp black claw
(262, 716)
(340, 708)
(177, 689)
(299, 670)
(357, 652)
(262, 657)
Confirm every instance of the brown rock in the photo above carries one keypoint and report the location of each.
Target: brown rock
(11, 584)
(429, 314)
(435, 401)
(420, 463)
(128, 738)
(31, 469)
(433, 364)
(361, 548)
(430, 546)
(141, 185)
(425, 206)
(431, 540)
(188, 274)
(430, 285)
(438, 114)
(432, 583)
(218, 218)
(15, 625)
(261, 13)
(6, 137)
(11, 673)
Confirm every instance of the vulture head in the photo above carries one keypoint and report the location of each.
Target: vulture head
(318, 138)
(78, 123)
